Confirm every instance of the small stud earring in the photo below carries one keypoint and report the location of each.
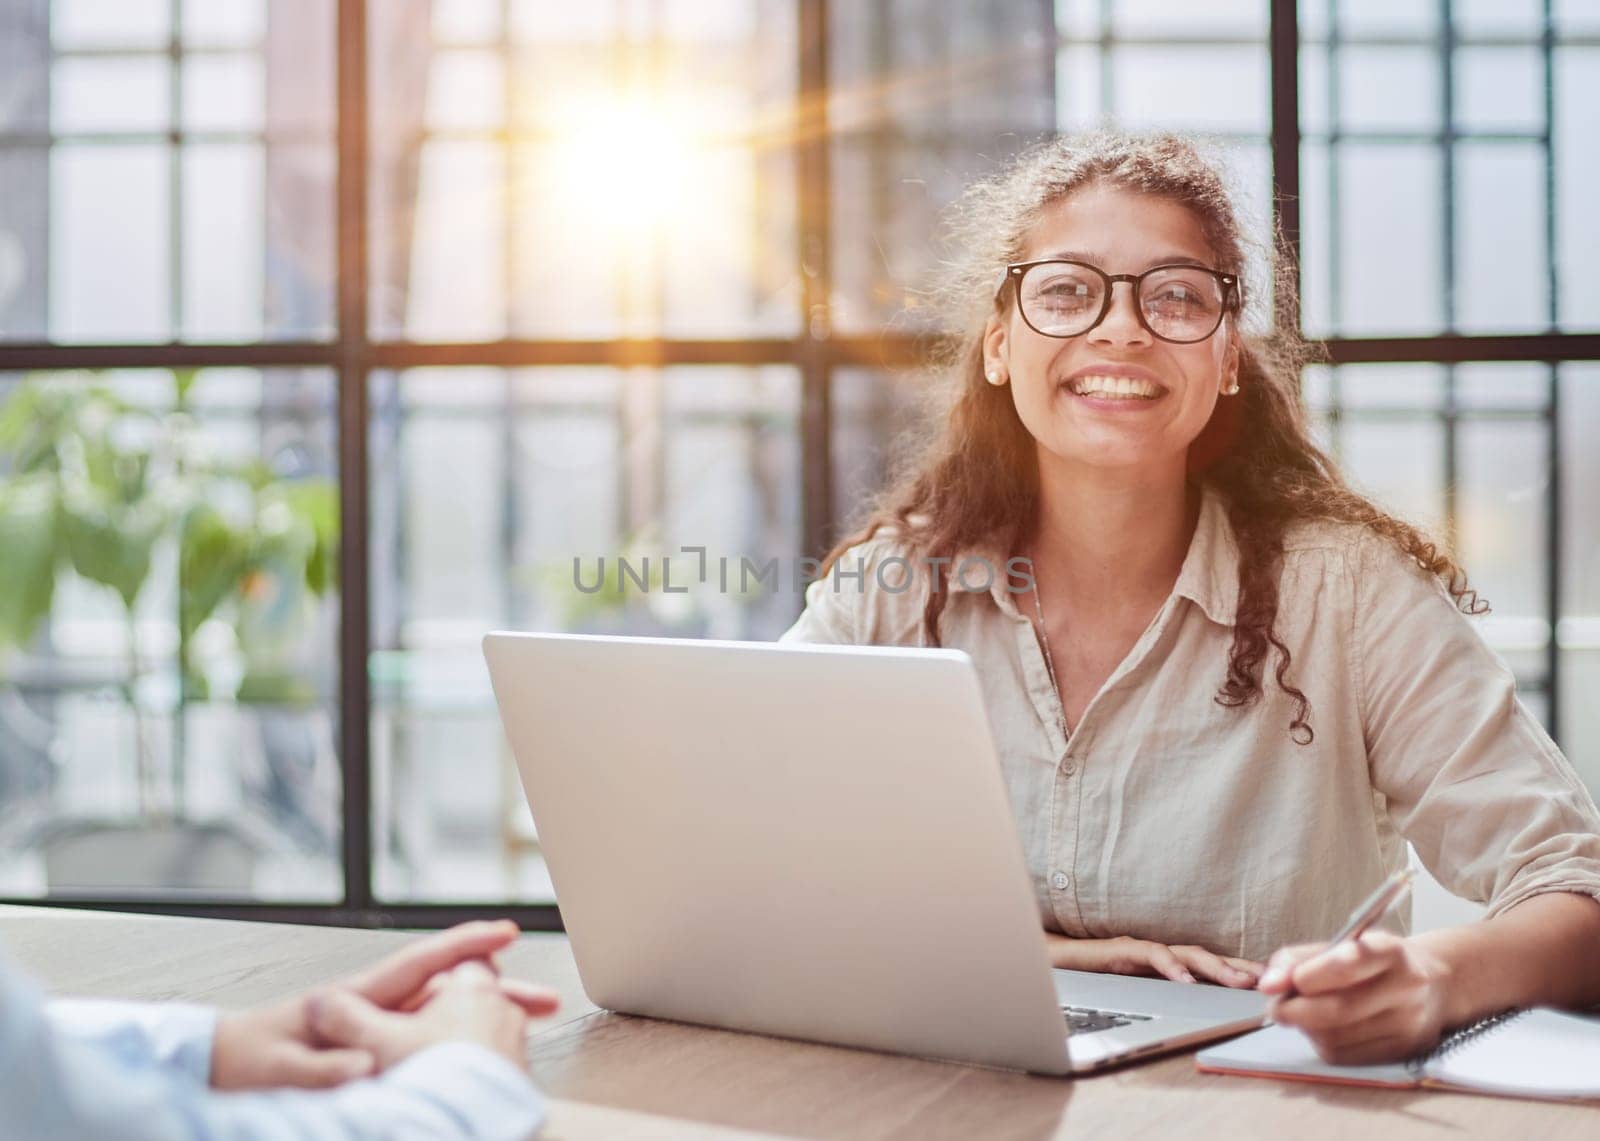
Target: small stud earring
(993, 376)
(1232, 387)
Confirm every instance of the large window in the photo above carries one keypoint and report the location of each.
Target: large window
(333, 333)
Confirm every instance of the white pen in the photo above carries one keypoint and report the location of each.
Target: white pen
(1367, 912)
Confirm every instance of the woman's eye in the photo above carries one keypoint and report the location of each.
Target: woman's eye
(1176, 297)
(1063, 294)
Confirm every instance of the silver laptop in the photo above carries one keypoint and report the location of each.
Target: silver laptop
(811, 842)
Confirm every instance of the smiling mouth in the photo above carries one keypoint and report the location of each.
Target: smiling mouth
(1115, 388)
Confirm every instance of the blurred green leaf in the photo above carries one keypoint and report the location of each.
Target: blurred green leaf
(111, 543)
(29, 539)
(183, 381)
(212, 559)
(317, 503)
(276, 687)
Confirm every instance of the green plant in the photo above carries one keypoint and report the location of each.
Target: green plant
(94, 484)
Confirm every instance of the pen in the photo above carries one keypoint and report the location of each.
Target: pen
(1367, 912)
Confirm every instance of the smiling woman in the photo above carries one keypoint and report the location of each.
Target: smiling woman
(1146, 451)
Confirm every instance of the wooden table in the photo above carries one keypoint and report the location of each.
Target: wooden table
(618, 1077)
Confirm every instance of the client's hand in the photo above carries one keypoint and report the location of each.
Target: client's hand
(275, 1045)
(1379, 998)
(1125, 955)
(467, 1005)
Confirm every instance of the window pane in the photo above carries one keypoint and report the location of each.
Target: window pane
(224, 93)
(110, 23)
(466, 91)
(871, 411)
(457, 254)
(494, 495)
(913, 121)
(1512, 385)
(224, 23)
(1400, 464)
(1179, 18)
(1501, 535)
(1575, 17)
(1498, 17)
(126, 218)
(109, 243)
(1388, 89)
(1580, 713)
(1577, 159)
(168, 690)
(114, 94)
(1499, 89)
(467, 22)
(1419, 387)
(645, 186)
(1202, 89)
(1385, 248)
(1580, 491)
(1318, 265)
(1500, 282)
(1386, 17)
(222, 247)
(1314, 94)
(1578, 632)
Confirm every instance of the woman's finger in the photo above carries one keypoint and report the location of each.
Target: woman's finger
(1346, 965)
(1338, 1010)
(1167, 964)
(1383, 1045)
(1209, 965)
(1251, 969)
(1275, 979)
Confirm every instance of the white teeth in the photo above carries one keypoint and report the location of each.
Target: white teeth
(1116, 387)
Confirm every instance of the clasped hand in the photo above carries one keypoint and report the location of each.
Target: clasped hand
(439, 989)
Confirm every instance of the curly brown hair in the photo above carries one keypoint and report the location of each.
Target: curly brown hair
(970, 476)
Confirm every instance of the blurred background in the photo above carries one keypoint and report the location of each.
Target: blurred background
(332, 332)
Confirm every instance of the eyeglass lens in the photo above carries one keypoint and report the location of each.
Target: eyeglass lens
(1179, 303)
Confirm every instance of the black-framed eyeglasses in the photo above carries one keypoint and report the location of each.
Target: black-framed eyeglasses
(1183, 304)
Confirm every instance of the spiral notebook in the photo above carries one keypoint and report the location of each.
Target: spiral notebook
(1538, 1053)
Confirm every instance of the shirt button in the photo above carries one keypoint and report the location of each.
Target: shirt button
(1059, 881)
(1068, 768)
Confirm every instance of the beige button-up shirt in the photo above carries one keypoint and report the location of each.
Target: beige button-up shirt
(1169, 817)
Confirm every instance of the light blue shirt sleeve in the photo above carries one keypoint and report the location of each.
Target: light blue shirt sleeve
(79, 1070)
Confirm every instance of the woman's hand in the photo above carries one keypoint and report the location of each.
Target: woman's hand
(1128, 956)
(1376, 999)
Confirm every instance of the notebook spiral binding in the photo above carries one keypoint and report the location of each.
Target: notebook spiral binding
(1468, 1033)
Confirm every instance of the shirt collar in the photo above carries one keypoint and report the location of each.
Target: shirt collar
(1209, 575)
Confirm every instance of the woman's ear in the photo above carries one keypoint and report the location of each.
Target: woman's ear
(1232, 361)
(996, 369)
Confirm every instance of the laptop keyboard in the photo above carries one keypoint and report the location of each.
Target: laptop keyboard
(1087, 1020)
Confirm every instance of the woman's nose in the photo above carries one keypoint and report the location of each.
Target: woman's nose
(1121, 324)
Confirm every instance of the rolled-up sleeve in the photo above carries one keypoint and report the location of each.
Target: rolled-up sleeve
(1493, 808)
(828, 618)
